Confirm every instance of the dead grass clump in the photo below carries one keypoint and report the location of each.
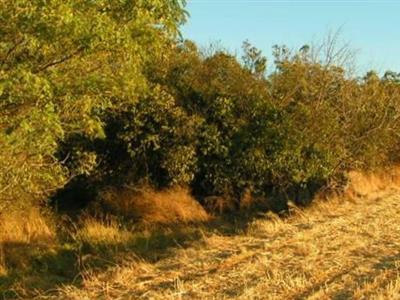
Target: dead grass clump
(366, 183)
(21, 230)
(3, 269)
(148, 206)
(26, 228)
(96, 232)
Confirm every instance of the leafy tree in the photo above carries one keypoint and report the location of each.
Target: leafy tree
(253, 60)
(101, 92)
(153, 142)
(62, 64)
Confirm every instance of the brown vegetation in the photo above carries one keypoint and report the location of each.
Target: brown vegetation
(20, 234)
(147, 206)
(342, 247)
(367, 183)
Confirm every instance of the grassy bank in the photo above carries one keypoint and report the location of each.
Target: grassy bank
(345, 243)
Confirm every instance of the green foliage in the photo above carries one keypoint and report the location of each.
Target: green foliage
(300, 127)
(101, 92)
(153, 141)
(62, 64)
(253, 60)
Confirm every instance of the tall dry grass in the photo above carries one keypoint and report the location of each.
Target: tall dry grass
(23, 229)
(336, 249)
(103, 232)
(145, 205)
(336, 241)
(361, 184)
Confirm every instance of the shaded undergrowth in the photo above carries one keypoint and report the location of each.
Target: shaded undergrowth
(95, 245)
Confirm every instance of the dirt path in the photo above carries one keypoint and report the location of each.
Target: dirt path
(348, 250)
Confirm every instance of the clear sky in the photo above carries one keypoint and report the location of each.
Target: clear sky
(371, 27)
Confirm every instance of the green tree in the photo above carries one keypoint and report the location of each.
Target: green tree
(253, 60)
(62, 64)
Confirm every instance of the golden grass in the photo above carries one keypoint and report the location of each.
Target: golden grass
(170, 206)
(331, 251)
(335, 249)
(103, 232)
(23, 229)
(26, 227)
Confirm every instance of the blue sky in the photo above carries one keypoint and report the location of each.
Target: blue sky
(371, 27)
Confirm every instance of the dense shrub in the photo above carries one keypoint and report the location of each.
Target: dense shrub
(293, 131)
(153, 141)
(61, 64)
(101, 93)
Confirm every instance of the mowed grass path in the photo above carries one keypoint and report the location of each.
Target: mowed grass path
(334, 250)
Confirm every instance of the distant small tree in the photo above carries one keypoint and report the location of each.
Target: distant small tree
(391, 76)
(253, 60)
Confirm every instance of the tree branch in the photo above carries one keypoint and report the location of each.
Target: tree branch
(10, 51)
(59, 61)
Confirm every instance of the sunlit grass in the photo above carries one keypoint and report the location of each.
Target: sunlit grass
(342, 248)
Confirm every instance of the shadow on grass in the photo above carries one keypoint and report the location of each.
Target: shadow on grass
(151, 244)
(37, 267)
(34, 269)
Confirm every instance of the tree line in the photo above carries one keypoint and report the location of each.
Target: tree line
(100, 93)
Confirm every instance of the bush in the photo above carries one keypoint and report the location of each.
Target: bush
(153, 142)
(292, 132)
(62, 64)
(100, 93)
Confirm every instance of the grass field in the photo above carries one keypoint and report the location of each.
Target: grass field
(344, 248)
(346, 251)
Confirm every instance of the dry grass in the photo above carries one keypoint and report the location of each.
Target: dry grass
(335, 249)
(104, 232)
(347, 251)
(29, 228)
(170, 206)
